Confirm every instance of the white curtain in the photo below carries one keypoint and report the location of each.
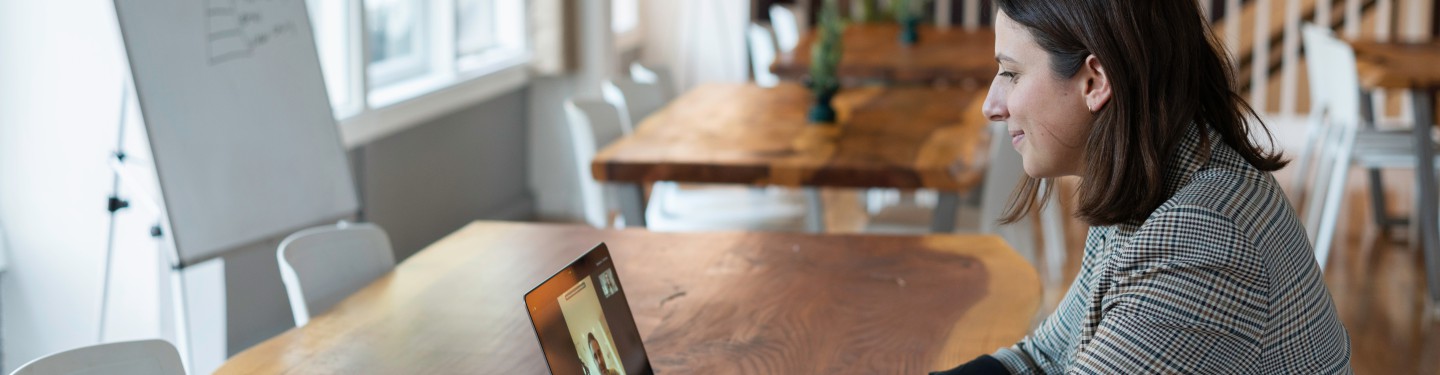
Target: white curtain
(700, 41)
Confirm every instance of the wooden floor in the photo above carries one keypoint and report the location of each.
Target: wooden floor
(1377, 280)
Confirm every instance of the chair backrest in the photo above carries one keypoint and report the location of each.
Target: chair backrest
(762, 54)
(146, 357)
(657, 75)
(1334, 80)
(321, 266)
(593, 124)
(638, 99)
(787, 27)
(1335, 118)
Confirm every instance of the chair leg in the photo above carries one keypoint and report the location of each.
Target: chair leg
(815, 210)
(632, 204)
(1333, 199)
(945, 210)
(1377, 201)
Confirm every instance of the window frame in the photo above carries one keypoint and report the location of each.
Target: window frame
(628, 40)
(398, 69)
(379, 107)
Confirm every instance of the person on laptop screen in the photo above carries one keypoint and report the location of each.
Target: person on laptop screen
(1196, 263)
(599, 356)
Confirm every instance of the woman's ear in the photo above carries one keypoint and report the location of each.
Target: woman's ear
(1096, 84)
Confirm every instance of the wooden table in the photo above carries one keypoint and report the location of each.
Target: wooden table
(873, 51)
(1414, 67)
(907, 137)
(705, 303)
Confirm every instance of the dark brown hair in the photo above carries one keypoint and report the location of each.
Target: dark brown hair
(1166, 69)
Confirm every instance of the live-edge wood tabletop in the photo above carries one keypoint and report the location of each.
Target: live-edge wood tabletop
(752, 303)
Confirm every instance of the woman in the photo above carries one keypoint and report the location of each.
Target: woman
(1195, 261)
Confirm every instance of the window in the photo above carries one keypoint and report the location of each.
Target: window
(396, 34)
(625, 15)
(487, 31)
(391, 63)
(625, 23)
(475, 27)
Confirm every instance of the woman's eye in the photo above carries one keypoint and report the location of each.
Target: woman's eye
(1010, 75)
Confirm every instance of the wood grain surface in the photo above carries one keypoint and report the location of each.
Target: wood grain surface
(1398, 65)
(741, 303)
(905, 137)
(873, 52)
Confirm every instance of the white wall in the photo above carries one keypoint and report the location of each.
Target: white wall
(553, 177)
(61, 73)
(700, 41)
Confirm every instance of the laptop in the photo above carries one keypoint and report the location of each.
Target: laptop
(583, 321)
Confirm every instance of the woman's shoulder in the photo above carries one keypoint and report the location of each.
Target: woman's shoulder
(1228, 186)
(1222, 206)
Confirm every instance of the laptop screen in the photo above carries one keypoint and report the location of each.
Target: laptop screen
(583, 321)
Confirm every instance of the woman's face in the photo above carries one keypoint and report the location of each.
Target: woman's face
(1047, 116)
(599, 357)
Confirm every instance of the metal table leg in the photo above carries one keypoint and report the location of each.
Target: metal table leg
(945, 210)
(1427, 224)
(815, 210)
(632, 204)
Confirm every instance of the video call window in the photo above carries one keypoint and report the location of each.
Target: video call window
(589, 329)
(607, 283)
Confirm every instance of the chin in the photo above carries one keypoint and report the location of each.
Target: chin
(1041, 172)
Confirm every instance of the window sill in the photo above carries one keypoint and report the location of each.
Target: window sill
(405, 105)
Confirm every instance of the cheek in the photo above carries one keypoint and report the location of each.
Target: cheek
(1055, 112)
(1057, 125)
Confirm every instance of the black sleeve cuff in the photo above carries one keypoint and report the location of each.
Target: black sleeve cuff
(983, 365)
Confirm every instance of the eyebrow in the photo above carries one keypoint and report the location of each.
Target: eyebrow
(1000, 57)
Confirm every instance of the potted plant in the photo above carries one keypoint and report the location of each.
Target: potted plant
(825, 56)
(907, 14)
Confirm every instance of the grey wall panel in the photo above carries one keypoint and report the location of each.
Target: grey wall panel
(430, 180)
(420, 185)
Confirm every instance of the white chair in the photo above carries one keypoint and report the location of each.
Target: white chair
(638, 99)
(655, 75)
(1004, 170)
(4, 254)
(787, 27)
(322, 266)
(762, 55)
(594, 124)
(145, 357)
(1337, 140)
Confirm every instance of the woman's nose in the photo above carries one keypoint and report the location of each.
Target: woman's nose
(994, 107)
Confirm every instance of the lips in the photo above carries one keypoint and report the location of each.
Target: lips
(1015, 137)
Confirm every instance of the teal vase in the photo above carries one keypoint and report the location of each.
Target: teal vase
(909, 30)
(822, 112)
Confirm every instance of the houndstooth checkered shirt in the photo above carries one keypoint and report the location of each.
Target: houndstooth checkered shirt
(1219, 279)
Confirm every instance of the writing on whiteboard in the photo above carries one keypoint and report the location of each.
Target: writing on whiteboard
(238, 28)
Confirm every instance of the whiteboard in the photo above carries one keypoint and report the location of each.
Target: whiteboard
(241, 130)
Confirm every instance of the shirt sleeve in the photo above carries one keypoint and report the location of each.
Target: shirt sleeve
(1188, 294)
(1050, 347)
(1030, 356)
(1045, 350)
